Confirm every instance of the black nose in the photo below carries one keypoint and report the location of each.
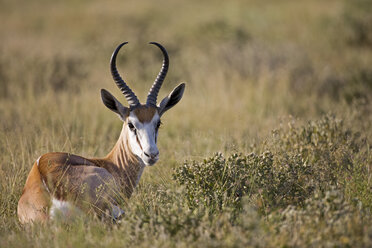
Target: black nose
(152, 155)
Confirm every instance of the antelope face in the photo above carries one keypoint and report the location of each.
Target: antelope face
(142, 127)
(142, 122)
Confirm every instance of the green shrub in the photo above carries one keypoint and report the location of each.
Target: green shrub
(220, 182)
(319, 154)
(297, 161)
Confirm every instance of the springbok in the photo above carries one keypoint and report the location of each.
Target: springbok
(60, 184)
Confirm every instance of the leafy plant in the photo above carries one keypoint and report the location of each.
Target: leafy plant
(298, 161)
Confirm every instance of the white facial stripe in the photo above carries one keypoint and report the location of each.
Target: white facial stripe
(143, 143)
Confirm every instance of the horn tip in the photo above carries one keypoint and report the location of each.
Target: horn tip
(122, 44)
(155, 43)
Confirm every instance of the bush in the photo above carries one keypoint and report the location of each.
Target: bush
(298, 161)
(317, 155)
(218, 182)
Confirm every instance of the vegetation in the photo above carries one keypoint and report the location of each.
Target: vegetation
(269, 147)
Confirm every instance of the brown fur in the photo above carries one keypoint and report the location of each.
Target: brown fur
(34, 202)
(145, 113)
(74, 178)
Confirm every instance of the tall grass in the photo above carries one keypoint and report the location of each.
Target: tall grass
(280, 88)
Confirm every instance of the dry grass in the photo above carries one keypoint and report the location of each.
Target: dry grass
(248, 66)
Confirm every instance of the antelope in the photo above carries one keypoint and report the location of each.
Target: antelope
(60, 184)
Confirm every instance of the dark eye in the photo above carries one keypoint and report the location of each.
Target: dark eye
(131, 126)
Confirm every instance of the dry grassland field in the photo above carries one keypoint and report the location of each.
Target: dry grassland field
(269, 147)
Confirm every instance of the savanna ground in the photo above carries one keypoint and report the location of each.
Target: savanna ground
(270, 145)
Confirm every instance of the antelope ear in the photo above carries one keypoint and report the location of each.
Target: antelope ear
(113, 104)
(172, 99)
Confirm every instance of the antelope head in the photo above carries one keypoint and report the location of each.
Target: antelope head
(141, 121)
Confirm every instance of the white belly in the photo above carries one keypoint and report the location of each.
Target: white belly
(63, 210)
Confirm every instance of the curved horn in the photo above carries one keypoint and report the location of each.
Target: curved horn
(153, 93)
(124, 88)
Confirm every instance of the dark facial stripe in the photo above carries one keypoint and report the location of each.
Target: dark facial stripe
(139, 143)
